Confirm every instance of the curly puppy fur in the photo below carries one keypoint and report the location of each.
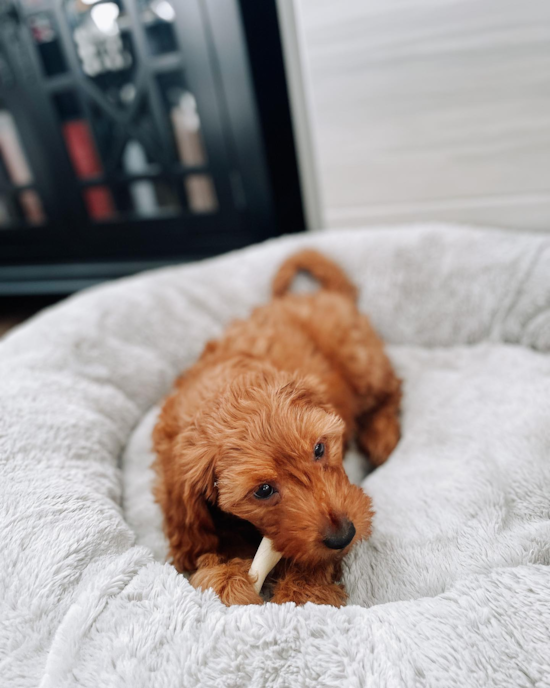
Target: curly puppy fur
(274, 403)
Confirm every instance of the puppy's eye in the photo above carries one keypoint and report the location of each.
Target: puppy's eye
(265, 491)
(319, 451)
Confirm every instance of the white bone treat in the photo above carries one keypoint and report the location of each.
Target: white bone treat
(265, 560)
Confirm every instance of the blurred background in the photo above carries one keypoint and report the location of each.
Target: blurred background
(139, 133)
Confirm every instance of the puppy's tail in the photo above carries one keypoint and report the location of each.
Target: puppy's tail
(325, 271)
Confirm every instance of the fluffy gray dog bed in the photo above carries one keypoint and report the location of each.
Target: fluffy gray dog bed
(453, 588)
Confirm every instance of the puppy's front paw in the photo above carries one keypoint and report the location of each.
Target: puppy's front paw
(288, 591)
(229, 580)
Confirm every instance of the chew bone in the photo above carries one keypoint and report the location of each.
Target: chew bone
(264, 561)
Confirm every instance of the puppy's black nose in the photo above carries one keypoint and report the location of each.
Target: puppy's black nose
(340, 538)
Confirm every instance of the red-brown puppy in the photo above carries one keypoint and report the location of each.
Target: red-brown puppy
(250, 443)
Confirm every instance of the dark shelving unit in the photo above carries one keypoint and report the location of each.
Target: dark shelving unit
(136, 133)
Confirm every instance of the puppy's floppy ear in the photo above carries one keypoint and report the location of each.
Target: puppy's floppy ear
(184, 495)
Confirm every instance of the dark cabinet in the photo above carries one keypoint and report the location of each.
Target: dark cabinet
(138, 132)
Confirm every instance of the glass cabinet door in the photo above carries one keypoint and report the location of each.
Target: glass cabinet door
(113, 140)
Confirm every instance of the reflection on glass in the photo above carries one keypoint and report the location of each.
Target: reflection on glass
(44, 34)
(81, 147)
(166, 197)
(83, 154)
(187, 128)
(145, 198)
(13, 157)
(201, 195)
(102, 34)
(99, 203)
(27, 208)
(14, 168)
(32, 207)
(107, 132)
(144, 129)
(134, 161)
(182, 110)
(157, 17)
(181, 106)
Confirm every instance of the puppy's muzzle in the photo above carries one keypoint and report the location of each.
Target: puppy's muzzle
(340, 538)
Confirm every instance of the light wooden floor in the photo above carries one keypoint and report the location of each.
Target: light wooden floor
(429, 110)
